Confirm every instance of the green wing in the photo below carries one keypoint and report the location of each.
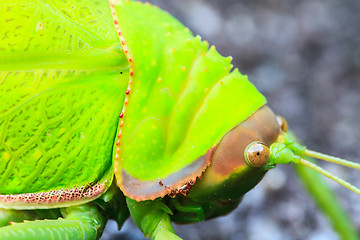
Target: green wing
(183, 99)
(62, 81)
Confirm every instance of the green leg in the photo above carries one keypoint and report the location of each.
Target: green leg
(152, 218)
(80, 222)
(327, 202)
(186, 213)
(7, 216)
(113, 203)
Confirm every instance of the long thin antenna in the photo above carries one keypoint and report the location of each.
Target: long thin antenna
(332, 159)
(329, 175)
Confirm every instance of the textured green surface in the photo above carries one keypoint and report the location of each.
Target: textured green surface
(61, 93)
(183, 99)
(60, 79)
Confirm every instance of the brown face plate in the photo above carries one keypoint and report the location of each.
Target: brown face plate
(140, 190)
(229, 153)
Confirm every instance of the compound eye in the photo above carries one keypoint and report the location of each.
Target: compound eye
(282, 122)
(257, 154)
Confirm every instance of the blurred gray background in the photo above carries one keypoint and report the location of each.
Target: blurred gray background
(304, 56)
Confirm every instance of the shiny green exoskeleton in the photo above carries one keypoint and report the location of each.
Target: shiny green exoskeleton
(103, 96)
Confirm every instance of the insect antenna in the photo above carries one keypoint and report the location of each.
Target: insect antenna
(288, 150)
(328, 174)
(332, 159)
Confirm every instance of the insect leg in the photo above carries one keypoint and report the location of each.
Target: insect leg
(79, 222)
(325, 199)
(152, 218)
(113, 203)
(187, 213)
(8, 216)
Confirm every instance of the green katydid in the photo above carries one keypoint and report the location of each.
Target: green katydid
(74, 71)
